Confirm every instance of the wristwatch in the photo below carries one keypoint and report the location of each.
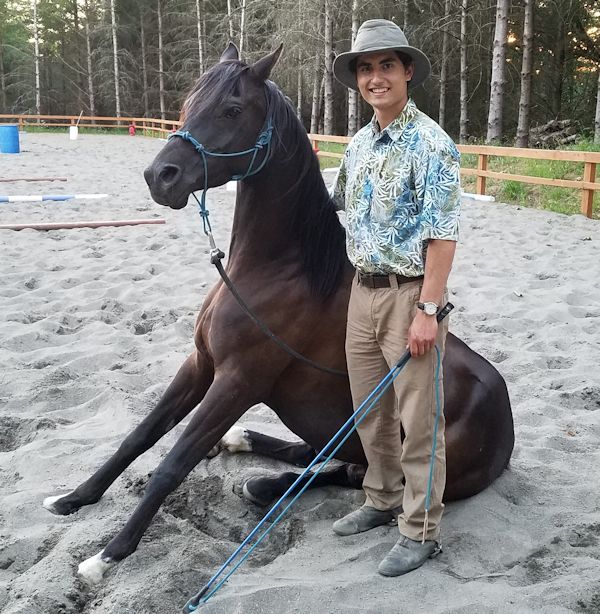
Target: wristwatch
(430, 309)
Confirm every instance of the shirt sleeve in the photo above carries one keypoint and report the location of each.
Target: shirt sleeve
(438, 184)
(337, 191)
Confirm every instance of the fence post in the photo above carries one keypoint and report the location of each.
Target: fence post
(482, 160)
(587, 196)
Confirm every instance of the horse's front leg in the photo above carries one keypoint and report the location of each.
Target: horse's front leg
(224, 403)
(184, 393)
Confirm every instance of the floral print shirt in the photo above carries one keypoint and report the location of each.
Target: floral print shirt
(399, 187)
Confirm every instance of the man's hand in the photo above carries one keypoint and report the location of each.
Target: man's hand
(422, 334)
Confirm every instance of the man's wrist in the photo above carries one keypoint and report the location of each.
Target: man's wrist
(429, 308)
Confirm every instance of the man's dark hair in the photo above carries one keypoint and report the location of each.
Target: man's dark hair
(404, 58)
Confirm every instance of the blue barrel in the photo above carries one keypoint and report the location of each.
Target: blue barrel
(9, 138)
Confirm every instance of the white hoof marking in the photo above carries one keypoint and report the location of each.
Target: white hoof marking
(49, 502)
(236, 440)
(93, 569)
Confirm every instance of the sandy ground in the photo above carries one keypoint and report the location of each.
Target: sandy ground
(94, 324)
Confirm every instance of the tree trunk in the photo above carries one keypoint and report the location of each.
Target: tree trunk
(299, 91)
(464, 68)
(36, 50)
(79, 76)
(328, 85)
(597, 122)
(199, 14)
(144, 66)
(115, 58)
(320, 129)
(242, 27)
(161, 72)
(88, 49)
(559, 74)
(444, 67)
(352, 95)
(3, 108)
(494, 128)
(316, 101)
(230, 20)
(526, 69)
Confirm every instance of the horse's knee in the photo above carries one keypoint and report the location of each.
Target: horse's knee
(162, 482)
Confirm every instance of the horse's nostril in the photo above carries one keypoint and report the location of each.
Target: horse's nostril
(169, 174)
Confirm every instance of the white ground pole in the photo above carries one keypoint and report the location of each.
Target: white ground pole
(481, 197)
(36, 198)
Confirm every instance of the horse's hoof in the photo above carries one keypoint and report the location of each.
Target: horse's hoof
(235, 440)
(60, 504)
(92, 570)
(255, 492)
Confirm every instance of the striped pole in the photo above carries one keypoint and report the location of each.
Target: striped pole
(46, 197)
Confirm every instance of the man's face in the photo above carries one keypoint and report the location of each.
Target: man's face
(382, 80)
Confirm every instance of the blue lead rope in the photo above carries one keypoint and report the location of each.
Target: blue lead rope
(355, 419)
(194, 603)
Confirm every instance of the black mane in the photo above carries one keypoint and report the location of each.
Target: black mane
(312, 217)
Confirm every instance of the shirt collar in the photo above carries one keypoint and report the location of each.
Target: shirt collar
(396, 128)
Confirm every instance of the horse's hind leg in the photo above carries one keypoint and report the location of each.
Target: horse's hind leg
(265, 490)
(223, 404)
(180, 398)
(239, 439)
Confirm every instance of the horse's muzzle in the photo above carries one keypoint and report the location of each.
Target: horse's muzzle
(164, 181)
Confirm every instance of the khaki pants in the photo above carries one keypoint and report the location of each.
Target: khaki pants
(398, 471)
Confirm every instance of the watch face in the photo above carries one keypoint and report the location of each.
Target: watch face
(430, 309)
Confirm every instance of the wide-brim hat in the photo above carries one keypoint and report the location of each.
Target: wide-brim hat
(377, 35)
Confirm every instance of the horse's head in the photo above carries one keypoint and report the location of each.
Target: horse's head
(225, 113)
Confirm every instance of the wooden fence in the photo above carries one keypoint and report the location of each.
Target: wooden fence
(152, 127)
(587, 184)
(146, 125)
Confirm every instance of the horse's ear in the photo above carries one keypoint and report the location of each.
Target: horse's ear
(262, 68)
(231, 53)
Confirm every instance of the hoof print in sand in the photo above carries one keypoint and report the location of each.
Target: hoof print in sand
(16, 432)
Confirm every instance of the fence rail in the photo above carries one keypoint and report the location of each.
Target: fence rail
(145, 124)
(587, 184)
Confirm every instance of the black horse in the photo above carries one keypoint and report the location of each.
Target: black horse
(287, 258)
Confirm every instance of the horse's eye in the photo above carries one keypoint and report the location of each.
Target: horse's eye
(232, 112)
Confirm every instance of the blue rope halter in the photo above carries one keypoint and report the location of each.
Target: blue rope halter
(263, 140)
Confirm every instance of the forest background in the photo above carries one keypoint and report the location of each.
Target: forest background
(497, 67)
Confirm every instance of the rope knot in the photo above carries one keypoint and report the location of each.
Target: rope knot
(264, 138)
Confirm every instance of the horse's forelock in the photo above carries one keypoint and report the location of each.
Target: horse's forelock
(213, 87)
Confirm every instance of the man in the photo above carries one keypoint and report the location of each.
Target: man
(399, 183)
